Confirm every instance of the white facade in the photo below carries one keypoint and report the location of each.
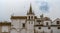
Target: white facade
(32, 24)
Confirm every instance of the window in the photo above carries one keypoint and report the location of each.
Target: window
(4, 28)
(23, 24)
(39, 22)
(31, 22)
(49, 27)
(46, 23)
(39, 27)
(58, 27)
(29, 17)
(57, 22)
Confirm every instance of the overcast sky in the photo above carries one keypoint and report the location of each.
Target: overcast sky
(20, 7)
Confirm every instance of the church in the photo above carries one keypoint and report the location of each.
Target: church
(30, 24)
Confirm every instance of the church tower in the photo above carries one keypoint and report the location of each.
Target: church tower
(30, 21)
(30, 14)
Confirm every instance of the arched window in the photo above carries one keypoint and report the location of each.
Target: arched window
(29, 17)
(29, 22)
(46, 23)
(49, 27)
(58, 27)
(23, 24)
(57, 22)
(39, 27)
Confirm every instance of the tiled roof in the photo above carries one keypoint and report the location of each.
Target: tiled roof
(43, 19)
(47, 19)
(18, 17)
(57, 19)
(5, 23)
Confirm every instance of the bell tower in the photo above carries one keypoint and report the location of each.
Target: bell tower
(30, 20)
(30, 14)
